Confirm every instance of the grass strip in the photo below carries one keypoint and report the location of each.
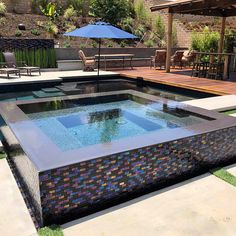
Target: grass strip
(229, 112)
(53, 230)
(224, 175)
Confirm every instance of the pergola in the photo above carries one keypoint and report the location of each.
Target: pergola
(220, 8)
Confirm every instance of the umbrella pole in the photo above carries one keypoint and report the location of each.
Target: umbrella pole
(99, 56)
(99, 53)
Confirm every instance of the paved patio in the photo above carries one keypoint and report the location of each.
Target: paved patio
(51, 76)
(219, 103)
(203, 206)
(14, 215)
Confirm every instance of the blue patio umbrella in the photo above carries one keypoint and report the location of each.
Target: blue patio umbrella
(100, 30)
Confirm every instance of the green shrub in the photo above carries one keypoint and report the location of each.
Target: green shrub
(94, 44)
(2, 21)
(51, 28)
(206, 41)
(82, 45)
(149, 43)
(159, 27)
(122, 44)
(128, 24)
(140, 31)
(3, 9)
(35, 32)
(49, 10)
(81, 6)
(66, 44)
(141, 14)
(70, 27)
(110, 44)
(44, 58)
(53, 230)
(112, 11)
(229, 41)
(174, 36)
(70, 13)
(18, 33)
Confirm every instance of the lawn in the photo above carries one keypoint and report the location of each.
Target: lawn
(53, 230)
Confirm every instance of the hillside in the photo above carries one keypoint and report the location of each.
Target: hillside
(37, 26)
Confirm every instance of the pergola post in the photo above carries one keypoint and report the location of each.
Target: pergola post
(222, 35)
(169, 41)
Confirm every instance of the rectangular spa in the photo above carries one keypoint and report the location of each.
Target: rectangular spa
(86, 152)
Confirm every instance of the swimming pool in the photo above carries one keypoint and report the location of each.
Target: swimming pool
(80, 86)
(162, 141)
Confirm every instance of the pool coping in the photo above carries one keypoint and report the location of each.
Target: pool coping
(46, 155)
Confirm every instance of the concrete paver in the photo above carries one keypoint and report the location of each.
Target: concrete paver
(15, 219)
(232, 169)
(202, 206)
(218, 103)
(51, 76)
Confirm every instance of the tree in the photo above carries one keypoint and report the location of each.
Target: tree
(112, 11)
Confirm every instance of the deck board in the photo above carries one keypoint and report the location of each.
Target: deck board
(181, 78)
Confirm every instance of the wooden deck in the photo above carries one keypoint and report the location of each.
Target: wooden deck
(181, 78)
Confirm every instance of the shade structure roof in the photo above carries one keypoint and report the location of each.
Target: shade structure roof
(223, 8)
(101, 30)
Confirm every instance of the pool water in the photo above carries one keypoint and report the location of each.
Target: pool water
(84, 125)
(73, 88)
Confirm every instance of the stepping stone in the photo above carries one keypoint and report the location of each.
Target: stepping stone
(50, 90)
(10, 138)
(69, 89)
(42, 94)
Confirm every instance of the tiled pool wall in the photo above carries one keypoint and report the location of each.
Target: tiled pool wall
(72, 191)
(29, 177)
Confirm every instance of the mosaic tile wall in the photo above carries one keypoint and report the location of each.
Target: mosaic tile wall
(30, 180)
(75, 190)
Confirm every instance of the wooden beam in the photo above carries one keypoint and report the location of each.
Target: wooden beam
(188, 6)
(169, 42)
(203, 12)
(222, 37)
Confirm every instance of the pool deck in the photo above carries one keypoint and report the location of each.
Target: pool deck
(51, 76)
(182, 79)
(219, 103)
(201, 206)
(14, 215)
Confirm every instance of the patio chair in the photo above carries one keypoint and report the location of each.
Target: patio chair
(215, 71)
(188, 58)
(176, 59)
(9, 71)
(159, 60)
(11, 62)
(88, 62)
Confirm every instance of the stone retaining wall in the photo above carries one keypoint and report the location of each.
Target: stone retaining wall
(12, 44)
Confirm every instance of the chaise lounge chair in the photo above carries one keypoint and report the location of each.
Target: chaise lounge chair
(88, 62)
(11, 62)
(9, 71)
